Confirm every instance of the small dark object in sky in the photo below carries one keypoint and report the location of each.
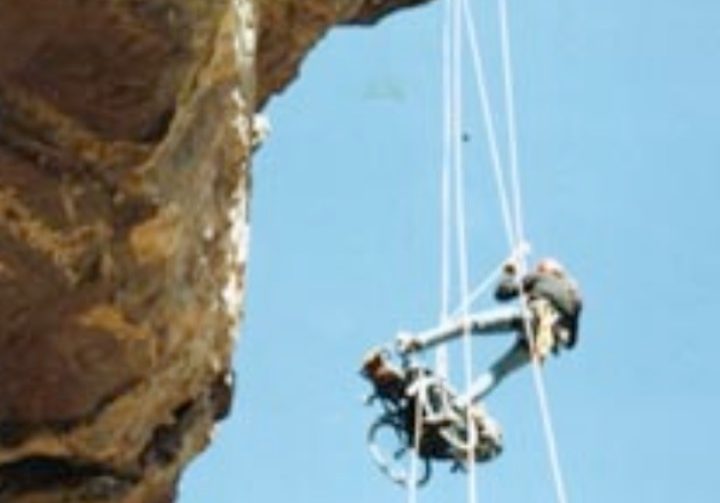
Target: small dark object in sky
(466, 137)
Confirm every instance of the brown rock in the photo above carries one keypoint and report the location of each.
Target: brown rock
(125, 137)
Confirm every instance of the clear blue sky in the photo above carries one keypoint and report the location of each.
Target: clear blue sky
(619, 122)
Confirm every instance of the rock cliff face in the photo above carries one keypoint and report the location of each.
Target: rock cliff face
(125, 141)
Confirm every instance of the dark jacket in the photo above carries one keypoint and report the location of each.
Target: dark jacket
(562, 293)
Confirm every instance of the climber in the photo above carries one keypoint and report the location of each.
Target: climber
(442, 418)
(553, 307)
(389, 381)
(551, 284)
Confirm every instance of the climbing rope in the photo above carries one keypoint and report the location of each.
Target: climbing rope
(448, 130)
(509, 92)
(412, 480)
(538, 380)
(441, 355)
(512, 218)
(457, 14)
(490, 134)
(461, 231)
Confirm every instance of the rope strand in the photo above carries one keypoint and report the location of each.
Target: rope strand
(479, 290)
(509, 86)
(412, 481)
(455, 12)
(540, 390)
(461, 225)
(441, 355)
(490, 134)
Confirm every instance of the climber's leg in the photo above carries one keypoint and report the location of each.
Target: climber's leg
(495, 321)
(517, 357)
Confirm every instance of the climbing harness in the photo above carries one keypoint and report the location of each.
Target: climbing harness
(421, 415)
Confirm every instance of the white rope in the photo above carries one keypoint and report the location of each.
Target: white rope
(491, 136)
(479, 290)
(538, 380)
(549, 432)
(441, 355)
(452, 161)
(509, 87)
(490, 278)
(412, 481)
(543, 403)
(457, 101)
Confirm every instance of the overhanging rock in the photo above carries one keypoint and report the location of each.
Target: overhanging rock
(125, 140)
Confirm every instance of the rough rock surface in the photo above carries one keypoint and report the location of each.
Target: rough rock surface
(125, 139)
(289, 29)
